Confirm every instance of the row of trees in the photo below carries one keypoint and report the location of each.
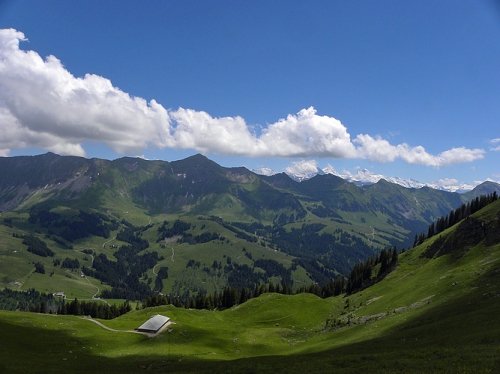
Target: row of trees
(93, 309)
(37, 246)
(70, 263)
(40, 302)
(227, 298)
(26, 300)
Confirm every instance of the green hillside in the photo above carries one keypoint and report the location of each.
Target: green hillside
(241, 229)
(434, 314)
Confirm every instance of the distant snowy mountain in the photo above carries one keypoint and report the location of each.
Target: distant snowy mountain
(265, 171)
(366, 177)
(460, 187)
(299, 177)
(296, 175)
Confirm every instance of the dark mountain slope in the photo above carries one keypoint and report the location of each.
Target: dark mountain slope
(321, 185)
(425, 204)
(281, 181)
(481, 226)
(484, 188)
(49, 175)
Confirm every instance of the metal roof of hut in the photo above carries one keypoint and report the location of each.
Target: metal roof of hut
(154, 324)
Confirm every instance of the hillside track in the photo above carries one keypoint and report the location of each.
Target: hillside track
(169, 323)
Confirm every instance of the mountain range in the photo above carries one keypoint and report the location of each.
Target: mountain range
(197, 185)
(365, 177)
(211, 226)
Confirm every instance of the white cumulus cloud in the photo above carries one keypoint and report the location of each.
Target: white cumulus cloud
(308, 134)
(380, 150)
(46, 106)
(303, 168)
(43, 105)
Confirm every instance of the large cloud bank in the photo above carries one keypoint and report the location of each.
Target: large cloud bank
(43, 105)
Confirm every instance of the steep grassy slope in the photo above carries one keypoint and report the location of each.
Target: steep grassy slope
(436, 314)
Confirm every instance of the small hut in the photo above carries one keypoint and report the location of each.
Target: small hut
(154, 324)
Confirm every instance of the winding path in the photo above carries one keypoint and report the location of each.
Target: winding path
(94, 296)
(158, 264)
(103, 244)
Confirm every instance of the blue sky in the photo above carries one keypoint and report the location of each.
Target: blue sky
(402, 88)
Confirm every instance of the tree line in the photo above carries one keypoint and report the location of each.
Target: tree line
(455, 216)
(94, 309)
(360, 277)
(40, 302)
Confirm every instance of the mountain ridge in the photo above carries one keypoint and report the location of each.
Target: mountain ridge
(191, 181)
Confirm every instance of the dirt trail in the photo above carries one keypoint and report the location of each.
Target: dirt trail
(103, 244)
(154, 268)
(131, 331)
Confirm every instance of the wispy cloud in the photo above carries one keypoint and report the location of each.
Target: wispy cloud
(495, 145)
(43, 105)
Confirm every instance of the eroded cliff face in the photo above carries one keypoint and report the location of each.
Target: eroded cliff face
(470, 232)
(30, 179)
(18, 197)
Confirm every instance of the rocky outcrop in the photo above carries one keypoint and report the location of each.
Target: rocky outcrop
(470, 232)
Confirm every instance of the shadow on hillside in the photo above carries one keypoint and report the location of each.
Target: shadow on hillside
(29, 348)
(457, 336)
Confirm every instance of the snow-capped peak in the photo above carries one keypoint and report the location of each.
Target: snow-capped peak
(366, 177)
(265, 171)
(301, 171)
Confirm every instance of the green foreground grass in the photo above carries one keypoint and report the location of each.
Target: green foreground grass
(428, 316)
